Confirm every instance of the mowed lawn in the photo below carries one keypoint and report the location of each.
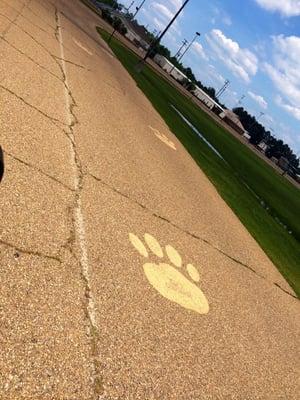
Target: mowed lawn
(281, 200)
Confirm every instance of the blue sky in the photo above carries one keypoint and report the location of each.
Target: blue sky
(253, 43)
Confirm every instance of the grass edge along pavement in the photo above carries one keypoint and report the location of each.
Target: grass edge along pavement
(240, 181)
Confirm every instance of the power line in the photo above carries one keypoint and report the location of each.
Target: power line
(223, 88)
(184, 43)
(186, 50)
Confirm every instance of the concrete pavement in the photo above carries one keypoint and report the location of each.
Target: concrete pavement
(123, 273)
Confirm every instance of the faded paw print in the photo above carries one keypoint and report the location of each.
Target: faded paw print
(163, 138)
(167, 279)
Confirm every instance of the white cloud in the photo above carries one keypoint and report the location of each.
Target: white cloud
(163, 10)
(285, 72)
(176, 4)
(198, 48)
(241, 62)
(287, 135)
(287, 8)
(160, 13)
(158, 23)
(259, 99)
(216, 77)
(293, 110)
(220, 16)
(227, 20)
(230, 98)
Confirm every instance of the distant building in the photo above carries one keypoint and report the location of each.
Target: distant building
(246, 135)
(207, 100)
(233, 120)
(163, 62)
(283, 163)
(263, 146)
(167, 66)
(135, 33)
(274, 160)
(178, 75)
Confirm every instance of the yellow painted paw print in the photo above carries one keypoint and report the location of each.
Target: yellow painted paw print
(167, 279)
(163, 138)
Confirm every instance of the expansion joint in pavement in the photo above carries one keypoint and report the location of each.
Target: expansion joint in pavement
(54, 120)
(78, 220)
(54, 57)
(38, 170)
(20, 250)
(194, 236)
(31, 59)
(6, 30)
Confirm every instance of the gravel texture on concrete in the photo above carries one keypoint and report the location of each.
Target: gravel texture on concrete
(83, 314)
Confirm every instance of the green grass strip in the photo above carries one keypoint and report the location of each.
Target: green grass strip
(263, 200)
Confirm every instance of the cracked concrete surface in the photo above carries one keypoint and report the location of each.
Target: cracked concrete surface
(79, 319)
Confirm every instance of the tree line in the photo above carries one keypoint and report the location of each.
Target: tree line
(276, 147)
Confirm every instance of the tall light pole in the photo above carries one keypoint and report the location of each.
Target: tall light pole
(186, 50)
(140, 65)
(138, 9)
(197, 34)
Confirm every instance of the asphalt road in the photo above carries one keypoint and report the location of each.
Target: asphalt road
(123, 273)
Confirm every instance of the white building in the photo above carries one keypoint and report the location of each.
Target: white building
(178, 75)
(263, 146)
(246, 135)
(165, 64)
(206, 99)
(133, 35)
(233, 121)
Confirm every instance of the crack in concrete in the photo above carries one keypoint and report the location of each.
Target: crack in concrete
(38, 16)
(52, 119)
(194, 236)
(36, 253)
(23, 16)
(72, 63)
(54, 57)
(31, 59)
(31, 166)
(6, 30)
(285, 291)
(69, 245)
(78, 222)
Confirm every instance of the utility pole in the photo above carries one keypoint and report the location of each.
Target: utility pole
(223, 88)
(140, 65)
(129, 7)
(186, 50)
(138, 8)
(241, 99)
(256, 120)
(184, 43)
